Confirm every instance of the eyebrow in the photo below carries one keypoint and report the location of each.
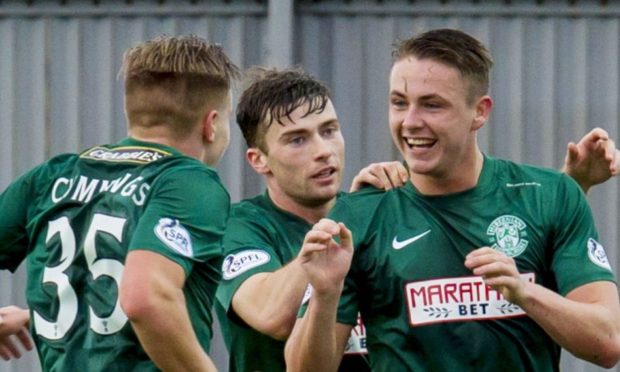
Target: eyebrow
(328, 122)
(430, 96)
(294, 132)
(298, 131)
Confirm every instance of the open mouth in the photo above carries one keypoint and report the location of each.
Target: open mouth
(419, 142)
(327, 172)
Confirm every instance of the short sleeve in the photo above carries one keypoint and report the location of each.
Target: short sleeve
(185, 217)
(248, 250)
(578, 256)
(13, 234)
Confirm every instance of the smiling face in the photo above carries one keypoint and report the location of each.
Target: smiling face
(432, 121)
(304, 157)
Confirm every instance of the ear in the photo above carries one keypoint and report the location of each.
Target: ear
(258, 160)
(208, 125)
(483, 110)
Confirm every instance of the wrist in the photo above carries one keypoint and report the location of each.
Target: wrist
(524, 295)
(581, 180)
(328, 294)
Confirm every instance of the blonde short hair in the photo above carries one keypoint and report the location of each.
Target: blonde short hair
(174, 80)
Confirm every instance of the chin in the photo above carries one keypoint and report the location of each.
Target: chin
(419, 167)
(322, 198)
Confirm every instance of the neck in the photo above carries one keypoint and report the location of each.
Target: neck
(463, 177)
(310, 213)
(186, 147)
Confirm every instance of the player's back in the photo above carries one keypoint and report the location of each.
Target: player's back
(81, 213)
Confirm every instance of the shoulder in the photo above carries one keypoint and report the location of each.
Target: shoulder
(50, 168)
(515, 174)
(541, 183)
(250, 206)
(358, 209)
(252, 214)
(189, 174)
(507, 169)
(367, 196)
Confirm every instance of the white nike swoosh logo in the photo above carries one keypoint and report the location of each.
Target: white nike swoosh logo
(400, 245)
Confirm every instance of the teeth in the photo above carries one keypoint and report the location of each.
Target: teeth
(419, 141)
(325, 173)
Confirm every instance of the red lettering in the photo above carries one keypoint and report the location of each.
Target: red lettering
(435, 291)
(466, 290)
(449, 293)
(413, 293)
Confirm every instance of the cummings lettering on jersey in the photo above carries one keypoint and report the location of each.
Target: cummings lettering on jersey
(132, 154)
(457, 299)
(82, 188)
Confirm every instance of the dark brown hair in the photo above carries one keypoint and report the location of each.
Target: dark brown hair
(453, 48)
(274, 94)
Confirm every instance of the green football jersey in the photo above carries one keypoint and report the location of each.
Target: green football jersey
(423, 309)
(74, 219)
(261, 237)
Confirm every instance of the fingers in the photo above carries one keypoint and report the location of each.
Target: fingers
(4, 352)
(595, 135)
(488, 262)
(615, 164)
(320, 237)
(498, 271)
(346, 237)
(24, 337)
(327, 225)
(385, 175)
(315, 240)
(611, 155)
(8, 349)
(15, 353)
(373, 175)
(396, 173)
(572, 153)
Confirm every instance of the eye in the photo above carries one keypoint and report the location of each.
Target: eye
(398, 103)
(433, 105)
(328, 132)
(297, 140)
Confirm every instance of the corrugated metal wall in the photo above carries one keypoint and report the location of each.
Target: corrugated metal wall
(556, 76)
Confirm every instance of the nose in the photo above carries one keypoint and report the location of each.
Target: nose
(412, 118)
(323, 148)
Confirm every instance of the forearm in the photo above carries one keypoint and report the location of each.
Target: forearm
(588, 330)
(314, 345)
(167, 336)
(269, 302)
(152, 297)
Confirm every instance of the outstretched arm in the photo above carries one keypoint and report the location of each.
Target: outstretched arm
(385, 175)
(151, 295)
(14, 331)
(318, 342)
(586, 322)
(593, 160)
